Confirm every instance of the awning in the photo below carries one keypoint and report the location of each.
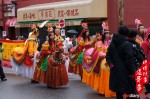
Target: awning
(11, 22)
(73, 9)
(72, 22)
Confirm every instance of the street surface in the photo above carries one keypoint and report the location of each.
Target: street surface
(18, 87)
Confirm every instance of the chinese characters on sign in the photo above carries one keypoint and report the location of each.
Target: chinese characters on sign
(69, 13)
(141, 76)
(27, 16)
(46, 14)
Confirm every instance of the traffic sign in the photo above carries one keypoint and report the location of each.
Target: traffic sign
(62, 23)
(62, 32)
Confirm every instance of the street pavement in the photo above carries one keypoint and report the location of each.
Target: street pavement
(18, 87)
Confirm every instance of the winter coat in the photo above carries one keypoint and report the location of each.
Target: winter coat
(138, 52)
(120, 58)
(146, 45)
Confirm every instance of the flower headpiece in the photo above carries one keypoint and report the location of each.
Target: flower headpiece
(105, 27)
(84, 23)
(139, 24)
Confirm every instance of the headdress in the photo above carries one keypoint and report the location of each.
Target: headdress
(45, 45)
(139, 24)
(50, 28)
(84, 23)
(105, 27)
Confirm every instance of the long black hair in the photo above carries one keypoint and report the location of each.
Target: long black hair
(84, 35)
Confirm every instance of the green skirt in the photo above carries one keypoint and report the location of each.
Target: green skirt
(80, 58)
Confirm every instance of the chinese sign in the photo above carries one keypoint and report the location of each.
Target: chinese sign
(46, 14)
(68, 13)
(10, 10)
(141, 76)
(29, 16)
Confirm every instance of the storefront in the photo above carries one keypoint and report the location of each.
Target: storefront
(72, 11)
(10, 28)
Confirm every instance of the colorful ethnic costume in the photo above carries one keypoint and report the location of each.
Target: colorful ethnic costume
(95, 69)
(56, 74)
(23, 57)
(42, 60)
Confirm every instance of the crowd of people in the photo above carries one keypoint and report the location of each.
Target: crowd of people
(107, 63)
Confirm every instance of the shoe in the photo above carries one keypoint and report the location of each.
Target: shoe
(3, 79)
(33, 81)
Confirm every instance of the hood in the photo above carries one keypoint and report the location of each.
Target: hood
(147, 33)
(118, 39)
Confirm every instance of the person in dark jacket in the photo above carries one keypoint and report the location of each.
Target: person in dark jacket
(2, 75)
(138, 53)
(120, 58)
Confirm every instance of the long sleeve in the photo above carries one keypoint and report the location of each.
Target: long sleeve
(145, 48)
(109, 55)
(130, 59)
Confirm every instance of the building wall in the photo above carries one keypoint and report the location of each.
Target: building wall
(24, 3)
(113, 15)
(137, 9)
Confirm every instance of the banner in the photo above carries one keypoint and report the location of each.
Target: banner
(141, 76)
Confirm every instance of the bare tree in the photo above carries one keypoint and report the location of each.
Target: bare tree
(120, 12)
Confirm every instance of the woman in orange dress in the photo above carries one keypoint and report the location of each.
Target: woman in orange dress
(98, 79)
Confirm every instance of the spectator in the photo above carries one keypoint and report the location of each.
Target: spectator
(2, 75)
(120, 58)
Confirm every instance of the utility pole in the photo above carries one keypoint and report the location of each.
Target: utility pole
(120, 12)
(3, 17)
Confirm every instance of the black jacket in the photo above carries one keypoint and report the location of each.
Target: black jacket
(138, 52)
(120, 54)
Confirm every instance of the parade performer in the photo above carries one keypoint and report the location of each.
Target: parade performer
(97, 75)
(56, 74)
(22, 57)
(51, 38)
(84, 41)
(140, 37)
(41, 68)
(57, 36)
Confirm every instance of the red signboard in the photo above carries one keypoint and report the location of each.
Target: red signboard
(62, 22)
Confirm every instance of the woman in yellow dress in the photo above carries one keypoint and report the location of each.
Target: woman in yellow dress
(98, 79)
